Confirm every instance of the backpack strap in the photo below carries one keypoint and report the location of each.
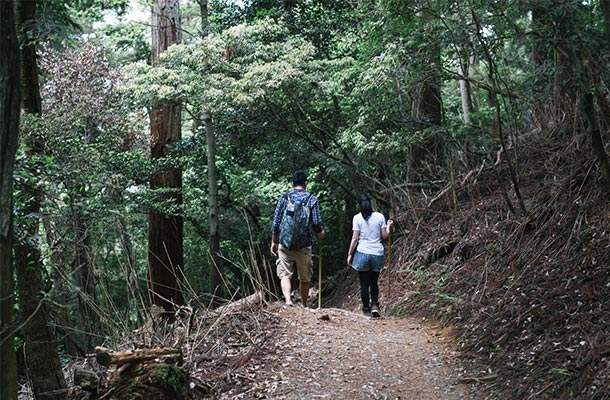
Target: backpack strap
(306, 202)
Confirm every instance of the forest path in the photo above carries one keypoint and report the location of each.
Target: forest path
(338, 354)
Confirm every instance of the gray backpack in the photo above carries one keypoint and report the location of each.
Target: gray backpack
(294, 228)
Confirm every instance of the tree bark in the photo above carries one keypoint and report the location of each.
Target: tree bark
(43, 364)
(58, 259)
(88, 321)
(10, 102)
(106, 358)
(205, 21)
(464, 71)
(165, 232)
(215, 261)
(605, 6)
(596, 139)
(427, 103)
(542, 110)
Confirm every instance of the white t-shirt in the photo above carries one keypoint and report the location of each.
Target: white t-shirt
(369, 239)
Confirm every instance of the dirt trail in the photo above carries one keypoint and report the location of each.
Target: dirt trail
(338, 354)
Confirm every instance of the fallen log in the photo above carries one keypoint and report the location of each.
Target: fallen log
(106, 358)
(244, 304)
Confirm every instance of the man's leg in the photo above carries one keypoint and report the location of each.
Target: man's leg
(286, 288)
(305, 270)
(285, 270)
(304, 293)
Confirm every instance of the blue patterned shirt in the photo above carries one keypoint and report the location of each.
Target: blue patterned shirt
(301, 194)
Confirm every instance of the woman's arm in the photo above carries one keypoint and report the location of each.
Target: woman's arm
(385, 232)
(352, 247)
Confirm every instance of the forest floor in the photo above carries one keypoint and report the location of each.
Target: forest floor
(269, 351)
(506, 291)
(333, 353)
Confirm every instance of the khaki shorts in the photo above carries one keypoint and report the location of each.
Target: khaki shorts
(289, 259)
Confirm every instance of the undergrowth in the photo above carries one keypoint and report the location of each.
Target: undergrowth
(527, 294)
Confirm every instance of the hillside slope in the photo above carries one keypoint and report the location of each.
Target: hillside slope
(527, 293)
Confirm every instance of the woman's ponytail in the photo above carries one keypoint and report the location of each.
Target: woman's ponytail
(366, 209)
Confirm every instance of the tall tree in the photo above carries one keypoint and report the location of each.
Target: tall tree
(215, 261)
(420, 20)
(43, 364)
(10, 102)
(427, 105)
(215, 265)
(165, 229)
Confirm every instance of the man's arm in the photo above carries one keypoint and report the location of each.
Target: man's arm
(275, 225)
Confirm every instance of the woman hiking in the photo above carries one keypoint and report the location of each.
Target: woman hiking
(365, 253)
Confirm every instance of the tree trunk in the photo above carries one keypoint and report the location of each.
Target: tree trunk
(88, 321)
(65, 326)
(10, 102)
(215, 261)
(464, 71)
(605, 6)
(541, 58)
(43, 364)
(540, 54)
(165, 232)
(596, 139)
(550, 53)
(427, 107)
(215, 264)
(134, 291)
(205, 21)
(564, 90)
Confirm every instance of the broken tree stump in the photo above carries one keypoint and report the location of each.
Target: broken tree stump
(86, 380)
(106, 358)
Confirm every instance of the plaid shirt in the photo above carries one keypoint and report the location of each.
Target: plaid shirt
(316, 219)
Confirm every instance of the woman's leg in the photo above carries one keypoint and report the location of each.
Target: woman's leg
(364, 290)
(373, 283)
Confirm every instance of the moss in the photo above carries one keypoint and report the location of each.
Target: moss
(170, 378)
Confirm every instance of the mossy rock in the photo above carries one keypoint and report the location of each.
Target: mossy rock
(157, 381)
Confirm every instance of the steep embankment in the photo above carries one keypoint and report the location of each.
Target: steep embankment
(527, 293)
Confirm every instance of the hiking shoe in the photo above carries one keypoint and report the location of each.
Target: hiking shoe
(366, 311)
(375, 311)
(288, 305)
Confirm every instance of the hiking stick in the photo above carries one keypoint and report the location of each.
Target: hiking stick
(320, 276)
(389, 262)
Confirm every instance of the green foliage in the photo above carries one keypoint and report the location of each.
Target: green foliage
(323, 23)
(324, 86)
(327, 87)
(88, 169)
(128, 41)
(95, 9)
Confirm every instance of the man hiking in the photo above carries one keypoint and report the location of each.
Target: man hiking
(296, 218)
